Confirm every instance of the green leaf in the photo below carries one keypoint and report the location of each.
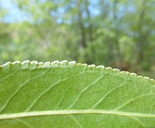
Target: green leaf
(72, 95)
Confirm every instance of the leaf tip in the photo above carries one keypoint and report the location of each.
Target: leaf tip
(133, 74)
(24, 64)
(116, 70)
(63, 63)
(91, 66)
(71, 63)
(6, 65)
(100, 67)
(16, 63)
(108, 68)
(146, 78)
(55, 63)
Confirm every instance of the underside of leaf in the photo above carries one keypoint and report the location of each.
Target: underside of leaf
(69, 94)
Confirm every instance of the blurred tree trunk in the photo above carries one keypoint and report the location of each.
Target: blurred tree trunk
(114, 45)
(140, 40)
(89, 21)
(82, 30)
(110, 57)
(118, 56)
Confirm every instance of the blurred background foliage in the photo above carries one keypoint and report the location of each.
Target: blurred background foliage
(115, 33)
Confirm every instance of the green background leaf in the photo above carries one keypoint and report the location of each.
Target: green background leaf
(67, 94)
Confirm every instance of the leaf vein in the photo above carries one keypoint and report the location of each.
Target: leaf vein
(6, 103)
(77, 123)
(96, 80)
(8, 75)
(24, 123)
(137, 121)
(108, 94)
(45, 91)
(132, 100)
(75, 112)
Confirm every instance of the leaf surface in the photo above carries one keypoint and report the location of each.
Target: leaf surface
(67, 94)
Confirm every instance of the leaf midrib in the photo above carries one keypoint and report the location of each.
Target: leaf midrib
(73, 112)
